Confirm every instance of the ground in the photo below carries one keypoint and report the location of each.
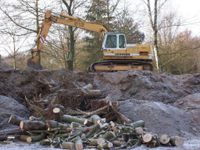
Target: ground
(167, 103)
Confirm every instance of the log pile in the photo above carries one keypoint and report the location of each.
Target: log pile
(88, 130)
(103, 127)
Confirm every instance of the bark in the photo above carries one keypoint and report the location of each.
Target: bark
(95, 129)
(139, 123)
(139, 131)
(51, 124)
(67, 145)
(45, 142)
(176, 141)
(33, 138)
(32, 125)
(95, 119)
(109, 135)
(71, 54)
(94, 93)
(6, 132)
(79, 144)
(70, 119)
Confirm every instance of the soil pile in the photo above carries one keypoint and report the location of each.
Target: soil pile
(158, 99)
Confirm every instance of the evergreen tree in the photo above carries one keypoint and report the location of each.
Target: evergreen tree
(103, 11)
(124, 23)
(97, 12)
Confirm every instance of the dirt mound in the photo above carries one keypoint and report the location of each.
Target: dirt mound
(147, 85)
(9, 106)
(191, 104)
(159, 117)
(152, 91)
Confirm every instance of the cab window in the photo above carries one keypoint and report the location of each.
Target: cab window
(121, 41)
(111, 41)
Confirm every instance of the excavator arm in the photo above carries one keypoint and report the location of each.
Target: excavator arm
(49, 19)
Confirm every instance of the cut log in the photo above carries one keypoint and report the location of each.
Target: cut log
(15, 120)
(108, 145)
(117, 143)
(32, 118)
(134, 142)
(75, 125)
(4, 133)
(95, 119)
(70, 119)
(67, 145)
(45, 142)
(79, 144)
(139, 123)
(147, 137)
(32, 125)
(109, 135)
(51, 124)
(94, 93)
(96, 128)
(101, 142)
(56, 110)
(88, 87)
(35, 138)
(164, 139)
(139, 131)
(23, 138)
(176, 141)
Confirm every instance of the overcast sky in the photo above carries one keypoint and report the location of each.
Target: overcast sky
(187, 10)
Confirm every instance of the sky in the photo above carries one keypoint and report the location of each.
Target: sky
(190, 12)
(187, 10)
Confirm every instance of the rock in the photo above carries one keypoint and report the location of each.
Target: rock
(9, 106)
(159, 117)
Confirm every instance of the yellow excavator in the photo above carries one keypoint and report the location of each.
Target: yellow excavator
(117, 54)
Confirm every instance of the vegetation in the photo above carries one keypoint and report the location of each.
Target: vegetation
(72, 48)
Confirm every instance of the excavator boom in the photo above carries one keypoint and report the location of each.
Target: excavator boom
(49, 19)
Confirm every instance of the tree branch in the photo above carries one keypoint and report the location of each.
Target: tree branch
(17, 24)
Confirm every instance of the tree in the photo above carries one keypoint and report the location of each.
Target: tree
(11, 44)
(99, 11)
(71, 6)
(124, 23)
(24, 16)
(183, 54)
(153, 11)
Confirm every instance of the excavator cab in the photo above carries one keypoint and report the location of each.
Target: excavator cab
(114, 41)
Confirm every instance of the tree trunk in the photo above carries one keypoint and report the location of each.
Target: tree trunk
(155, 29)
(71, 54)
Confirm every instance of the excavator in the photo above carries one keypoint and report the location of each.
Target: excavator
(117, 54)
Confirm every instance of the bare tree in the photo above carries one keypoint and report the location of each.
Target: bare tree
(153, 13)
(12, 44)
(71, 7)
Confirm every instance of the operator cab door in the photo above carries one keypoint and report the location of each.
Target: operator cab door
(114, 41)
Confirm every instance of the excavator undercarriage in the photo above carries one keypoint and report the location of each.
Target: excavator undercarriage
(118, 65)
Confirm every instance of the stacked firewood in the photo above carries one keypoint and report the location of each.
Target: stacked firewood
(88, 130)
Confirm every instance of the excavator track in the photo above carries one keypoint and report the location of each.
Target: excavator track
(118, 65)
